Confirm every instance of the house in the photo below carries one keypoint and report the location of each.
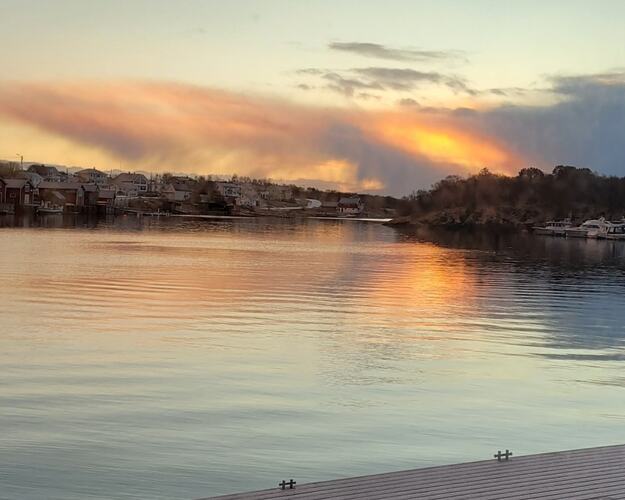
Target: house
(17, 192)
(249, 196)
(92, 176)
(176, 192)
(90, 194)
(34, 178)
(62, 193)
(47, 172)
(130, 184)
(228, 189)
(106, 197)
(247, 200)
(350, 206)
(155, 185)
(274, 192)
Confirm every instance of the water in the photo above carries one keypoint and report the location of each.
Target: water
(179, 359)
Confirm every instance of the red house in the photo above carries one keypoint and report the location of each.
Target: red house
(62, 194)
(17, 192)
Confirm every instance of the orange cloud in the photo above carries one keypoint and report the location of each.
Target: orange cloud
(167, 126)
(444, 142)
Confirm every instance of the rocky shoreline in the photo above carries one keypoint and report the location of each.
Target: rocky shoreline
(503, 217)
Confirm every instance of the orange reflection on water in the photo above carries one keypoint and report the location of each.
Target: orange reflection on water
(422, 292)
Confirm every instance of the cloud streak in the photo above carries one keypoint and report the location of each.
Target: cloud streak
(384, 79)
(378, 51)
(406, 79)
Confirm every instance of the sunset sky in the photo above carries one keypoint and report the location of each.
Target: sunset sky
(378, 96)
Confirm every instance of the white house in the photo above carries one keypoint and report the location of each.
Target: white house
(176, 192)
(228, 189)
(131, 184)
(92, 176)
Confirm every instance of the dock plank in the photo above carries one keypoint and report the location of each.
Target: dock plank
(585, 474)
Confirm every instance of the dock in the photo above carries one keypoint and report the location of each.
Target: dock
(585, 474)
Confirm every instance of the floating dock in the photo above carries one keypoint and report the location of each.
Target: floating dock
(586, 474)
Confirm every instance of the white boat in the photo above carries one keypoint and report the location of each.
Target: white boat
(615, 231)
(49, 209)
(592, 228)
(553, 228)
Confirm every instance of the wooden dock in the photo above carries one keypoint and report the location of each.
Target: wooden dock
(586, 474)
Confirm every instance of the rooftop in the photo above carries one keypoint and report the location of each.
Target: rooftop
(353, 200)
(87, 171)
(15, 183)
(59, 185)
(131, 177)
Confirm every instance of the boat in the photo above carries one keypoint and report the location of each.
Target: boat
(553, 228)
(592, 228)
(615, 231)
(49, 209)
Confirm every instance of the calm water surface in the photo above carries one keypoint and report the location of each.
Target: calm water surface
(178, 359)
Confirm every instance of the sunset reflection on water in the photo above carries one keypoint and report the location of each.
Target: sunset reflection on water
(170, 359)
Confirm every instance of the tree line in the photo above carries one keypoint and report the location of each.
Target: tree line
(532, 194)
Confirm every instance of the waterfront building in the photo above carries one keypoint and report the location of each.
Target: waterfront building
(230, 190)
(176, 192)
(64, 194)
(90, 194)
(350, 206)
(92, 175)
(106, 197)
(16, 192)
(129, 184)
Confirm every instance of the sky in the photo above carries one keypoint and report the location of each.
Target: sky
(374, 96)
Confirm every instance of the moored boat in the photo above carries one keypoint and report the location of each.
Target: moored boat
(592, 228)
(615, 231)
(49, 209)
(553, 228)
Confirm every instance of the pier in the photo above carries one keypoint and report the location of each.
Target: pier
(585, 474)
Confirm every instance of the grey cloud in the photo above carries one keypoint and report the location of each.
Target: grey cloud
(408, 101)
(310, 71)
(408, 79)
(382, 78)
(464, 112)
(347, 86)
(379, 51)
(573, 84)
(368, 96)
(585, 128)
(507, 91)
